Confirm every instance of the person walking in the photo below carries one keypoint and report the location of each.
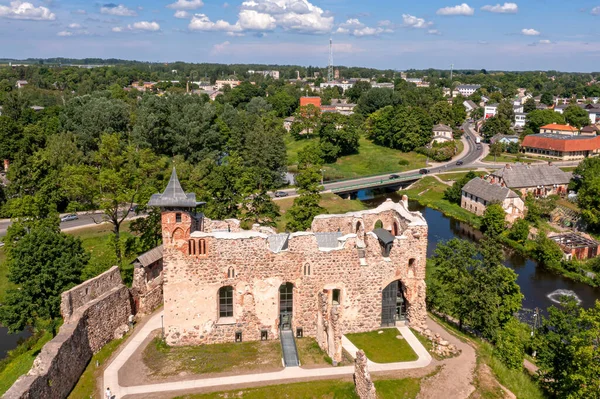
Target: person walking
(108, 394)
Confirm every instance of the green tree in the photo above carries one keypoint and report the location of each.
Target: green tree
(510, 345)
(506, 110)
(454, 192)
(546, 251)
(547, 98)
(541, 117)
(357, 90)
(588, 194)
(519, 231)
(529, 105)
(403, 128)
(576, 116)
(442, 112)
(495, 125)
(493, 222)
(496, 149)
(459, 113)
(42, 263)
(568, 351)
(377, 98)
(306, 205)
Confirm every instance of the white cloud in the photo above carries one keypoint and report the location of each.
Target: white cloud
(118, 10)
(530, 32)
(434, 32)
(267, 15)
(64, 33)
(186, 4)
(410, 21)
(545, 41)
(385, 22)
(24, 10)
(225, 5)
(356, 28)
(75, 26)
(506, 8)
(117, 29)
(181, 14)
(461, 9)
(145, 25)
(595, 10)
(220, 47)
(79, 12)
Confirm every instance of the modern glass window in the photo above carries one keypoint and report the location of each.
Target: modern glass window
(226, 301)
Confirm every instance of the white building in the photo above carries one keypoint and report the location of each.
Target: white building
(344, 85)
(490, 110)
(220, 84)
(520, 119)
(273, 74)
(442, 134)
(467, 90)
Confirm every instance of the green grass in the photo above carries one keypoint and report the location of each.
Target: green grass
(331, 202)
(568, 168)
(20, 360)
(406, 388)
(457, 175)
(509, 158)
(384, 347)
(245, 357)
(310, 354)
(86, 386)
(430, 192)
(294, 146)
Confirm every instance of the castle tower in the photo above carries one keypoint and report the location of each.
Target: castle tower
(179, 217)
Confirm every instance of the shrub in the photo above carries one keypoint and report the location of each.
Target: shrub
(510, 345)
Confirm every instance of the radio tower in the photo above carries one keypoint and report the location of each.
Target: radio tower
(330, 66)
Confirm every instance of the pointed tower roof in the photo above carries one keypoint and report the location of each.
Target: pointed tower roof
(173, 196)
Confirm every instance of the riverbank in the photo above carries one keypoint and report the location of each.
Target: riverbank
(429, 192)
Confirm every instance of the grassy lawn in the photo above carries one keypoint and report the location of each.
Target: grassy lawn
(20, 361)
(293, 146)
(455, 176)
(430, 192)
(509, 158)
(384, 347)
(244, 357)
(331, 202)
(86, 386)
(407, 388)
(310, 354)
(568, 168)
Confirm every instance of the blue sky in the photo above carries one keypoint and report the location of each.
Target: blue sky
(398, 34)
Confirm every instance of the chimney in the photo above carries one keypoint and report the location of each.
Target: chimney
(6, 164)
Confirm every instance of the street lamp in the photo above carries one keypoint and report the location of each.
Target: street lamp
(322, 175)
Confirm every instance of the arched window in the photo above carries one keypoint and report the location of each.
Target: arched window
(395, 229)
(379, 224)
(226, 301)
(358, 226)
(202, 246)
(307, 269)
(231, 272)
(192, 247)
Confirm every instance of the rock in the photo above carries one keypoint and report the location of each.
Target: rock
(121, 331)
(444, 343)
(380, 332)
(399, 337)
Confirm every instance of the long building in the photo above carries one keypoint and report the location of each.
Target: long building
(560, 146)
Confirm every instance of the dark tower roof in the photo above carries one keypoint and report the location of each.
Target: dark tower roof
(173, 196)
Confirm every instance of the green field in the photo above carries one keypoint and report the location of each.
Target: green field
(383, 346)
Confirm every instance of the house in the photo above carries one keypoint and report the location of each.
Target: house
(212, 94)
(344, 108)
(477, 194)
(518, 108)
(313, 100)
(593, 111)
(21, 83)
(287, 123)
(540, 180)
(576, 246)
(560, 146)
(469, 106)
(520, 119)
(220, 84)
(273, 74)
(467, 90)
(591, 130)
(442, 134)
(504, 139)
(345, 85)
(382, 85)
(349, 273)
(560, 108)
(490, 110)
(559, 129)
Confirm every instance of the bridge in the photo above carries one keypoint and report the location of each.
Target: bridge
(382, 182)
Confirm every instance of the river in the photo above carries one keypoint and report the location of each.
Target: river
(540, 287)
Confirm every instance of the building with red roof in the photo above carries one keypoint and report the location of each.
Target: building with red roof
(561, 146)
(559, 129)
(316, 101)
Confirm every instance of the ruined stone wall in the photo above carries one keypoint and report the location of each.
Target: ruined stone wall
(148, 295)
(61, 361)
(359, 222)
(84, 293)
(245, 262)
(363, 384)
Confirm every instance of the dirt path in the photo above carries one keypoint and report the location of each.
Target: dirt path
(455, 380)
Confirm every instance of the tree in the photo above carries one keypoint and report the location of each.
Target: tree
(338, 135)
(546, 251)
(306, 206)
(568, 351)
(454, 192)
(510, 345)
(357, 90)
(442, 112)
(403, 128)
(541, 117)
(576, 116)
(588, 195)
(547, 98)
(506, 110)
(377, 98)
(42, 263)
(493, 221)
(459, 113)
(519, 231)
(496, 149)
(529, 105)
(495, 125)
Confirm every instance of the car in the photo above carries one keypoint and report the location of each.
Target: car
(69, 217)
(134, 209)
(423, 171)
(458, 163)
(394, 176)
(279, 194)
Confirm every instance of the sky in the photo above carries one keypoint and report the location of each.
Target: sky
(387, 34)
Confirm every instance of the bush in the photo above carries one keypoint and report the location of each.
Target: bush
(403, 162)
(519, 231)
(510, 346)
(547, 252)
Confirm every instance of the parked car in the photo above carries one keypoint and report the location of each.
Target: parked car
(279, 194)
(69, 217)
(423, 171)
(394, 176)
(458, 163)
(133, 209)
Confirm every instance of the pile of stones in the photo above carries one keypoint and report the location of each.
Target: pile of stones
(441, 347)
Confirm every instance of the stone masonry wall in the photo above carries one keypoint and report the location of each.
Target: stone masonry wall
(365, 389)
(244, 261)
(61, 361)
(148, 295)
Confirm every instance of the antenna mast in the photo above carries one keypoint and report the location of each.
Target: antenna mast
(451, 70)
(330, 66)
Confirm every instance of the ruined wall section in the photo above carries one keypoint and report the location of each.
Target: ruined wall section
(363, 384)
(148, 294)
(61, 361)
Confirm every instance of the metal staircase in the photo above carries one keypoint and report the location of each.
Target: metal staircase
(288, 347)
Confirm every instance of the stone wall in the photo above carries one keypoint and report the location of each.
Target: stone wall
(365, 389)
(89, 327)
(147, 291)
(244, 261)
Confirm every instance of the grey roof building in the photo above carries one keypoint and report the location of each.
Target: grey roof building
(522, 176)
(488, 191)
(442, 128)
(174, 196)
(148, 258)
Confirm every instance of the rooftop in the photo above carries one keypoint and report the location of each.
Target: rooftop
(442, 128)
(173, 196)
(556, 126)
(148, 258)
(519, 175)
(573, 240)
(488, 191)
(560, 142)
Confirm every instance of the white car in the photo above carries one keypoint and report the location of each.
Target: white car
(69, 217)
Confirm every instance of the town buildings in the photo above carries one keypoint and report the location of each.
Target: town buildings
(273, 74)
(220, 84)
(466, 90)
(477, 194)
(539, 180)
(490, 110)
(576, 246)
(559, 129)
(560, 146)
(350, 273)
(505, 139)
(520, 119)
(442, 134)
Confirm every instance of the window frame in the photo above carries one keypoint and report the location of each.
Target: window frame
(225, 301)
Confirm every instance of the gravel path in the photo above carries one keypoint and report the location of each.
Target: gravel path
(455, 380)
